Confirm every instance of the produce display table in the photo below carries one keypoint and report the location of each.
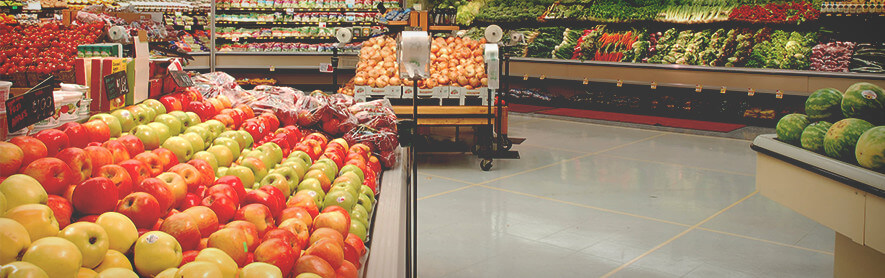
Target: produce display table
(844, 197)
(387, 257)
(452, 115)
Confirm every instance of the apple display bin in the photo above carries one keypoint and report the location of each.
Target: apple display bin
(844, 197)
(387, 257)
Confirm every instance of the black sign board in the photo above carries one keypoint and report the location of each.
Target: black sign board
(116, 85)
(181, 78)
(31, 107)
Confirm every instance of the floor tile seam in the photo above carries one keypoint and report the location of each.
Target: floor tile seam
(683, 233)
(446, 178)
(641, 129)
(572, 159)
(446, 192)
(765, 241)
(552, 148)
(680, 165)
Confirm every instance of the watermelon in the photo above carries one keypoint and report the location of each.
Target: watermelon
(841, 138)
(870, 150)
(790, 127)
(813, 136)
(824, 105)
(864, 101)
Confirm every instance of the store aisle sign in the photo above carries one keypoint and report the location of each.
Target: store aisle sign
(29, 108)
(116, 85)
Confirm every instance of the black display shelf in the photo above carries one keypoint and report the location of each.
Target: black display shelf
(294, 10)
(291, 24)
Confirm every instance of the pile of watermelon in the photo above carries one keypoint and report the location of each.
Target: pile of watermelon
(847, 126)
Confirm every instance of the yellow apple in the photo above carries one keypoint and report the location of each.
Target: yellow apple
(117, 273)
(199, 270)
(260, 270)
(36, 218)
(176, 184)
(121, 231)
(156, 251)
(86, 273)
(14, 239)
(90, 238)
(22, 189)
(224, 262)
(55, 255)
(2, 202)
(22, 270)
(168, 273)
(113, 259)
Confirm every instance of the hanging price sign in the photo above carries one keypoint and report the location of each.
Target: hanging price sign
(751, 92)
(586, 81)
(779, 94)
(722, 90)
(525, 77)
(620, 83)
(698, 88)
(654, 85)
(543, 76)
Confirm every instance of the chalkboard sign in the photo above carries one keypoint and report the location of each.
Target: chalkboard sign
(181, 78)
(29, 108)
(116, 85)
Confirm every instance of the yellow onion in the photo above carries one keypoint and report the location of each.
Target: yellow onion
(443, 80)
(395, 81)
(381, 81)
(462, 80)
(474, 82)
(468, 87)
(431, 83)
(484, 81)
(408, 82)
(359, 81)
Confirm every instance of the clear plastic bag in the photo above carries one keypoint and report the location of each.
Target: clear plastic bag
(277, 100)
(337, 119)
(376, 114)
(382, 141)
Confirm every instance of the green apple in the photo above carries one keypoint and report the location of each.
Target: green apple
(200, 130)
(117, 273)
(318, 196)
(56, 256)
(278, 181)
(244, 138)
(274, 151)
(38, 219)
(113, 123)
(156, 105)
(222, 154)
(340, 198)
(90, 239)
(2, 205)
(365, 202)
(331, 164)
(260, 155)
(183, 118)
(351, 179)
(22, 269)
(325, 168)
(126, 119)
(215, 127)
(140, 114)
(174, 124)
(120, 229)
(20, 189)
(149, 113)
(221, 172)
(229, 134)
(162, 130)
(290, 174)
(298, 165)
(15, 240)
(156, 251)
(343, 186)
(231, 145)
(208, 157)
(245, 174)
(301, 155)
(310, 184)
(148, 136)
(355, 170)
(360, 213)
(258, 168)
(199, 269)
(260, 270)
(113, 259)
(197, 143)
(225, 263)
(182, 148)
(193, 118)
(366, 190)
(359, 229)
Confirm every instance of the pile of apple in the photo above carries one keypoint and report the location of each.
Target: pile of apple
(44, 48)
(179, 194)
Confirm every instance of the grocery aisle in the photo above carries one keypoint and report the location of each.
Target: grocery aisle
(595, 200)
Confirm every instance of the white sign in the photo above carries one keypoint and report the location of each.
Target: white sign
(326, 68)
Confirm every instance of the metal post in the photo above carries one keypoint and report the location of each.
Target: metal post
(335, 67)
(212, 38)
(413, 188)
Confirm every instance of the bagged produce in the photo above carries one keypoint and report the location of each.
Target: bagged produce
(834, 56)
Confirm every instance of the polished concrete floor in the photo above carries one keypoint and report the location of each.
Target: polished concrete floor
(596, 200)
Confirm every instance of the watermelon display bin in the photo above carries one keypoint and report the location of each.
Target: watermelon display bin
(844, 197)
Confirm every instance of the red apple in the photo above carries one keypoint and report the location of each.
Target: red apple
(95, 196)
(11, 157)
(278, 253)
(32, 148)
(247, 111)
(99, 157)
(284, 235)
(355, 242)
(117, 149)
(315, 265)
(252, 238)
(224, 189)
(207, 174)
(61, 209)
(191, 175)
(152, 160)
(297, 213)
(188, 256)
(171, 103)
(167, 157)
(79, 162)
(119, 176)
(77, 134)
(257, 214)
(334, 220)
(206, 219)
(328, 250)
(142, 208)
(183, 228)
(322, 233)
(223, 206)
(303, 200)
(270, 120)
(54, 174)
(137, 170)
(230, 240)
(202, 109)
(160, 190)
(342, 211)
(225, 119)
(97, 131)
(132, 144)
(54, 139)
(347, 270)
(88, 218)
(351, 256)
(264, 198)
(237, 185)
(299, 229)
(190, 200)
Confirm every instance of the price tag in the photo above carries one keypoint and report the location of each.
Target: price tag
(543, 76)
(525, 77)
(350, 3)
(751, 92)
(116, 85)
(722, 90)
(326, 68)
(236, 39)
(322, 25)
(698, 88)
(273, 68)
(181, 78)
(290, 11)
(33, 5)
(620, 83)
(586, 81)
(29, 108)
(654, 85)
(779, 94)
(188, 28)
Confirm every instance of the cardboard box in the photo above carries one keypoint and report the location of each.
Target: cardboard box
(361, 93)
(393, 92)
(441, 91)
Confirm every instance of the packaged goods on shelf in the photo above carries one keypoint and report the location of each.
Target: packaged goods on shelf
(868, 57)
(287, 47)
(834, 56)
